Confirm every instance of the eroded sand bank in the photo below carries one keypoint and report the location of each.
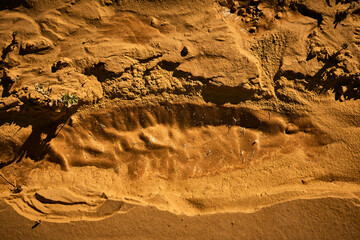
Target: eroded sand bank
(217, 108)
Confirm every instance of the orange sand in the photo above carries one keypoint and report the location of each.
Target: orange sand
(180, 119)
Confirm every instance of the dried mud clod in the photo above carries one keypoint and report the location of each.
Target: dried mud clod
(258, 14)
(249, 11)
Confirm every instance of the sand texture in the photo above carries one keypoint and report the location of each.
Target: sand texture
(193, 119)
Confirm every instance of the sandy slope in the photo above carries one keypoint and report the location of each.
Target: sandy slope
(326, 218)
(193, 107)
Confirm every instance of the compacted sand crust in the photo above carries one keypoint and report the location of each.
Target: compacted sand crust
(194, 119)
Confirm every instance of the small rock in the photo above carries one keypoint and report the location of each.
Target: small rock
(252, 30)
(18, 189)
(135, 73)
(278, 15)
(246, 86)
(62, 63)
(255, 81)
(103, 195)
(343, 89)
(242, 12)
(291, 129)
(164, 23)
(108, 2)
(155, 22)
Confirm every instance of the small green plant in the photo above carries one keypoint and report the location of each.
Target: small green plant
(17, 188)
(40, 89)
(344, 45)
(337, 53)
(69, 99)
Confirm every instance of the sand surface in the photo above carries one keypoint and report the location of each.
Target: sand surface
(180, 119)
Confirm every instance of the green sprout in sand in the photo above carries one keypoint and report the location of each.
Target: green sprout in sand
(40, 89)
(69, 99)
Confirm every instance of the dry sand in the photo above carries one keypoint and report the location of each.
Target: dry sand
(136, 119)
